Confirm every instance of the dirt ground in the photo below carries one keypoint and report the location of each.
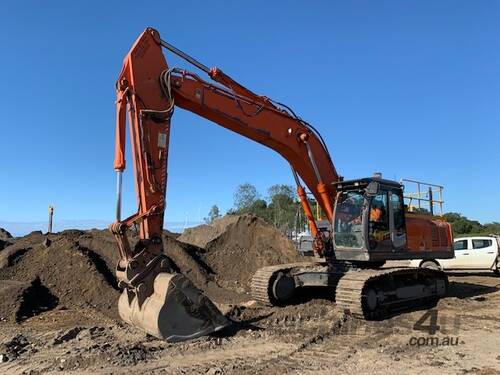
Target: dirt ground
(73, 326)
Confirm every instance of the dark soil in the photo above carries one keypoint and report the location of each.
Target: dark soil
(234, 247)
(11, 296)
(6, 239)
(64, 273)
(4, 234)
(201, 235)
(23, 300)
(74, 269)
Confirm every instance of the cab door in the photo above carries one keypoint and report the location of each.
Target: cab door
(397, 220)
(379, 223)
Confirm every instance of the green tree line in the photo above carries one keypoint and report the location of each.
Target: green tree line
(461, 225)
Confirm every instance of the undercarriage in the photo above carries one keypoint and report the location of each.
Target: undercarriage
(366, 293)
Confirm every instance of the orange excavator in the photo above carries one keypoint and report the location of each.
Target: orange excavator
(368, 222)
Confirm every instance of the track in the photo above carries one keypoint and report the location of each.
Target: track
(353, 290)
(348, 295)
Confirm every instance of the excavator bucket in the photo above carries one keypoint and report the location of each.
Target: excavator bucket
(176, 311)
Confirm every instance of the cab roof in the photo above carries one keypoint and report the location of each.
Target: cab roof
(363, 182)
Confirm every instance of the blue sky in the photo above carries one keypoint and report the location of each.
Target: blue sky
(410, 89)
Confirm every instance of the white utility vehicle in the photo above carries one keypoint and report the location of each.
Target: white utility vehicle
(471, 253)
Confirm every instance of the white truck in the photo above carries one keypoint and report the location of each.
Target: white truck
(476, 253)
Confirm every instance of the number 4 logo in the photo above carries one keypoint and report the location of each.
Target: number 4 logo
(432, 327)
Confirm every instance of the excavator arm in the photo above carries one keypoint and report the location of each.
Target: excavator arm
(164, 305)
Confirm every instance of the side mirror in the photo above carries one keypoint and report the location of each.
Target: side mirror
(372, 189)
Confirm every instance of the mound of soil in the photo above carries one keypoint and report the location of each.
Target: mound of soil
(188, 260)
(6, 239)
(75, 269)
(4, 234)
(64, 273)
(4, 244)
(21, 246)
(11, 294)
(22, 300)
(201, 235)
(234, 247)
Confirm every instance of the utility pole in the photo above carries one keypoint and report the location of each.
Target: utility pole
(51, 215)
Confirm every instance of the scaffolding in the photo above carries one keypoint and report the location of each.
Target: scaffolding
(424, 197)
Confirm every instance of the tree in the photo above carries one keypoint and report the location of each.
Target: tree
(461, 225)
(276, 191)
(282, 207)
(245, 195)
(451, 217)
(213, 214)
(258, 208)
(492, 228)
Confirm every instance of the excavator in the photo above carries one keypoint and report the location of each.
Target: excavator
(368, 222)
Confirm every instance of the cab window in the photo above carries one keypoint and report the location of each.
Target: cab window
(348, 220)
(379, 222)
(481, 244)
(460, 245)
(398, 212)
(379, 212)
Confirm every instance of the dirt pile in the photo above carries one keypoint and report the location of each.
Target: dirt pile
(19, 247)
(22, 300)
(202, 234)
(75, 269)
(4, 234)
(234, 247)
(6, 239)
(39, 273)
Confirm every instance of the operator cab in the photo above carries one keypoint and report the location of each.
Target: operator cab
(369, 220)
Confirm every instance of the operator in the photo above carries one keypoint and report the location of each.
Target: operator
(376, 213)
(379, 229)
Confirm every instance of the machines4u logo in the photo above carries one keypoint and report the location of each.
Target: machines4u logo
(428, 323)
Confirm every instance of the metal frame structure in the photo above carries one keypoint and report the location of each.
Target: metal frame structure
(425, 192)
